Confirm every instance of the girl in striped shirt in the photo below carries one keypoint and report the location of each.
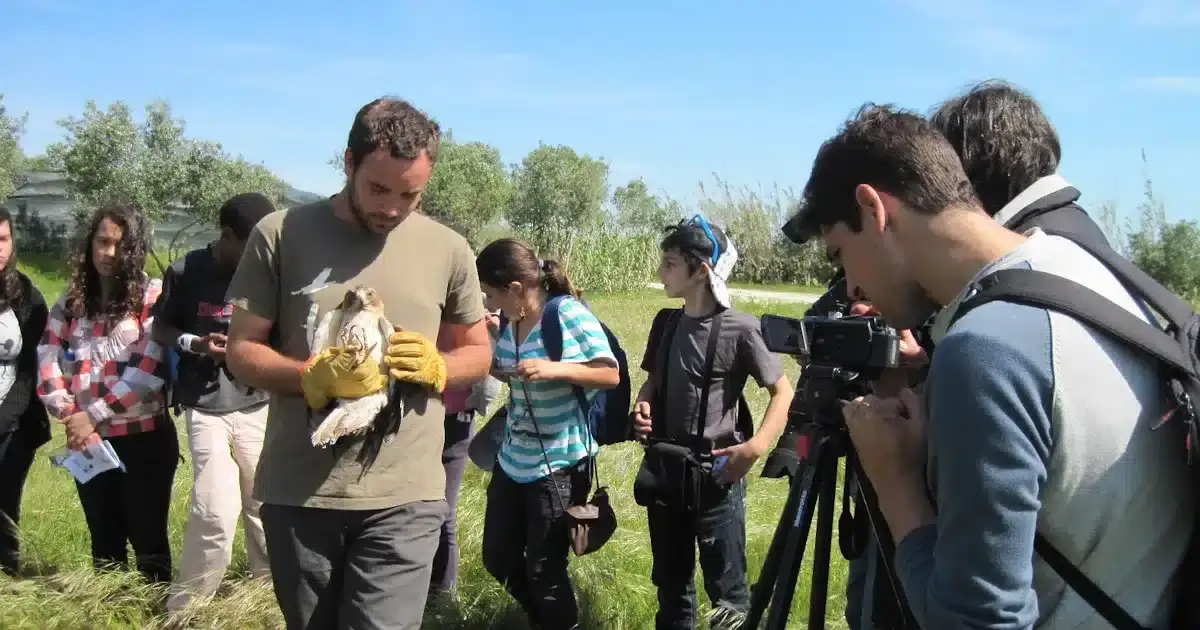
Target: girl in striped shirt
(543, 463)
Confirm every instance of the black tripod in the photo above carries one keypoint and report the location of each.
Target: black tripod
(813, 491)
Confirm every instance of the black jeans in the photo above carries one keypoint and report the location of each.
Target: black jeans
(525, 542)
(16, 458)
(132, 507)
(454, 460)
(718, 528)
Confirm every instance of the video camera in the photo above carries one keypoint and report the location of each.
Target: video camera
(840, 353)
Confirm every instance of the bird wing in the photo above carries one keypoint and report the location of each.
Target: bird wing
(385, 331)
(326, 334)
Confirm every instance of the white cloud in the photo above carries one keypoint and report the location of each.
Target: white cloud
(986, 27)
(1176, 84)
(1167, 13)
(992, 41)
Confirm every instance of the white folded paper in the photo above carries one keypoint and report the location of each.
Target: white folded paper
(98, 457)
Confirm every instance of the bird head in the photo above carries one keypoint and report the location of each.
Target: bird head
(361, 298)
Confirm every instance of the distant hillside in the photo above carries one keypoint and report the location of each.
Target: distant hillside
(302, 196)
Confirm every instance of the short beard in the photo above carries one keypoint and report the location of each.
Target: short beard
(356, 210)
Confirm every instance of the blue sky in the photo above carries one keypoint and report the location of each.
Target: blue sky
(671, 91)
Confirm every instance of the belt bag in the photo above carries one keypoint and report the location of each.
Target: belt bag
(671, 475)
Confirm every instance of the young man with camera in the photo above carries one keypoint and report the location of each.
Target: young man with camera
(1031, 422)
(1010, 152)
(699, 433)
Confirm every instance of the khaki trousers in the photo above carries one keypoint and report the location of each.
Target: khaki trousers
(225, 449)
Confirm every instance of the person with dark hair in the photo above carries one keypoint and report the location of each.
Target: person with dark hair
(698, 360)
(23, 423)
(226, 419)
(1010, 153)
(545, 459)
(352, 528)
(1030, 421)
(102, 375)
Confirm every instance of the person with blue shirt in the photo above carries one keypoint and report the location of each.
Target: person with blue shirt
(544, 460)
(1030, 422)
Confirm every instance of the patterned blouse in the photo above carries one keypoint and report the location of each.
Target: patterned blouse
(114, 372)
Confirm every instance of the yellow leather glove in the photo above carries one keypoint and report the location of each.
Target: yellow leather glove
(413, 358)
(332, 373)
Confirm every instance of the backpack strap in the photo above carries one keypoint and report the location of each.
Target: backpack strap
(662, 333)
(1046, 290)
(670, 324)
(1038, 288)
(1136, 281)
(552, 340)
(1087, 589)
(710, 353)
(665, 324)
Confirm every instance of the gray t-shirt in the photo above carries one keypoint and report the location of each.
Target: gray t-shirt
(740, 353)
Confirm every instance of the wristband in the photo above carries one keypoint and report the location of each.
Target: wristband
(185, 342)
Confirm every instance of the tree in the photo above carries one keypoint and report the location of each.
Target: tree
(469, 185)
(556, 192)
(107, 157)
(211, 177)
(11, 157)
(39, 164)
(1168, 251)
(640, 213)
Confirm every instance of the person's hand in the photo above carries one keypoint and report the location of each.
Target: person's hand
(80, 431)
(741, 459)
(413, 358)
(889, 436)
(493, 321)
(334, 373)
(212, 345)
(912, 357)
(533, 370)
(643, 425)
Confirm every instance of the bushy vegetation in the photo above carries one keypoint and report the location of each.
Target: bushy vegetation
(560, 201)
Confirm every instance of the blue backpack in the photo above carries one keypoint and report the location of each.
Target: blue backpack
(608, 412)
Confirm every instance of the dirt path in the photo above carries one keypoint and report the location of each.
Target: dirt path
(760, 295)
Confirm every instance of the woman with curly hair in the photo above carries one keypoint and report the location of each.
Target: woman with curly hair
(23, 425)
(102, 376)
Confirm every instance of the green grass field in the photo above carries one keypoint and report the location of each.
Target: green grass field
(61, 592)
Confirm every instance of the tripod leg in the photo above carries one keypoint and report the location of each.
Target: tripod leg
(793, 551)
(760, 593)
(819, 589)
(887, 547)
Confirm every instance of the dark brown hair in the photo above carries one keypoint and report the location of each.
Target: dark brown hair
(10, 281)
(393, 124)
(893, 150)
(1004, 139)
(83, 290)
(511, 260)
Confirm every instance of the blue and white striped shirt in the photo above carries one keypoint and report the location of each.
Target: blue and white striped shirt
(556, 409)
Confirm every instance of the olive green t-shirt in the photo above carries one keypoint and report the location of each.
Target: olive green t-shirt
(298, 265)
